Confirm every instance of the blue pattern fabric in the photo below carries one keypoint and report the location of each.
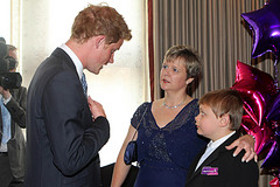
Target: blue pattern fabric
(84, 84)
(165, 154)
(6, 125)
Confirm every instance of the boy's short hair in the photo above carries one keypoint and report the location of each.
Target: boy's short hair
(225, 101)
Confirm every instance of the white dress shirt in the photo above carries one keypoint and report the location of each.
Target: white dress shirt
(74, 58)
(211, 147)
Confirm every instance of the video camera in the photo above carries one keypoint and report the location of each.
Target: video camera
(8, 80)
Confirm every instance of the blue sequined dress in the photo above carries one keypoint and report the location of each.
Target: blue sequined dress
(165, 154)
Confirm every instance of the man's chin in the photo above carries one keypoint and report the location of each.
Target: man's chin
(99, 70)
(96, 72)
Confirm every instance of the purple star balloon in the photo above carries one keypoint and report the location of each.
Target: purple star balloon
(274, 112)
(265, 24)
(272, 159)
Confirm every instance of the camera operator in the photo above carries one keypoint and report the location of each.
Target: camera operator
(12, 51)
(12, 119)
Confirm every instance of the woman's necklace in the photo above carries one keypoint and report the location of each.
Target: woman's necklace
(173, 107)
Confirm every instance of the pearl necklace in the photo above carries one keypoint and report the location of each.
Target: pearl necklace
(173, 107)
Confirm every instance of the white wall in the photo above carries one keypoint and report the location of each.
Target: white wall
(119, 87)
(5, 20)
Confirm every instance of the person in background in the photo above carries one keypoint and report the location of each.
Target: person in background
(219, 118)
(13, 118)
(12, 51)
(167, 141)
(66, 128)
(2, 39)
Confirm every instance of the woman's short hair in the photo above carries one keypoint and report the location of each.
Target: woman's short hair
(190, 58)
(192, 62)
(100, 20)
(225, 101)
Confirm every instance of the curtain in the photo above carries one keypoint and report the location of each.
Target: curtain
(151, 47)
(217, 31)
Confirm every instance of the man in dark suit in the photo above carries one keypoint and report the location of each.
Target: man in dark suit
(220, 116)
(13, 118)
(66, 129)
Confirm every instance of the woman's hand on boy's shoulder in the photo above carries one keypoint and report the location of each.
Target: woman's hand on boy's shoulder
(245, 142)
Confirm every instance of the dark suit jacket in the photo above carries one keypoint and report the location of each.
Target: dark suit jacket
(17, 145)
(62, 139)
(226, 170)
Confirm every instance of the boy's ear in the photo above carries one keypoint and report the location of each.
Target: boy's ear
(224, 120)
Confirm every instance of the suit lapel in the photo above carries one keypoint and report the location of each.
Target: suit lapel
(212, 157)
(192, 171)
(206, 162)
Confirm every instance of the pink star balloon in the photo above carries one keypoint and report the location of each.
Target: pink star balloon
(256, 89)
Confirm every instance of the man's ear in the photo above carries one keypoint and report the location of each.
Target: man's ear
(189, 80)
(224, 120)
(99, 40)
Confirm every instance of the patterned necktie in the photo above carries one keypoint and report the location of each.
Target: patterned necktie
(84, 83)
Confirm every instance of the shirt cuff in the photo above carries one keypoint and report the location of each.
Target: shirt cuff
(5, 101)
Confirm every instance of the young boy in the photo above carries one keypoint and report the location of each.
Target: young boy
(219, 119)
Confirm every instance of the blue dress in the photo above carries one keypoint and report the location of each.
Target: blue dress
(165, 154)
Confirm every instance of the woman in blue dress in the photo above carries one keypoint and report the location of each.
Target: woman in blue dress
(166, 137)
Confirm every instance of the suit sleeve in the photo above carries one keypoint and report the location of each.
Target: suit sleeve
(245, 174)
(249, 174)
(17, 107)
(74, 138)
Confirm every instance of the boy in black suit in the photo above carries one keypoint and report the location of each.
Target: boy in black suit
(219, 119)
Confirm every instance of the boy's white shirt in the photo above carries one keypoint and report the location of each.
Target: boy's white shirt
(211, 147)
